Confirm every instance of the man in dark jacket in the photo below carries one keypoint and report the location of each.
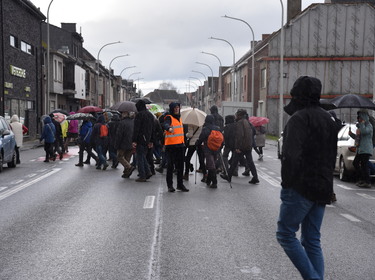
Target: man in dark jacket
(243, 145)
(228, 139)
(307, 164)
(219, 121)
(174, 146)
(211, 156)
(142, 139)
(100, 142)
(85, 142)
(123, 142)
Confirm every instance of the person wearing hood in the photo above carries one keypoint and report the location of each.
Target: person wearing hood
(100, 142)
(112, 128)
(84, 140)
(243, 145)
(58, 137)
(18, 134)
(48, 135)
(307, 165)
(174, 146)
(364, 148)
(219, 121)
(211, 156)
(228, 140)
(142, 139)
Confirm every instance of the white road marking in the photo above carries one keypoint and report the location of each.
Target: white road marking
(3, 188)
(31, 175)
(269, 179)
(344, 187)
(366, 196)
(149, 202)
(16, 182)
(350, 217)
(27, 184)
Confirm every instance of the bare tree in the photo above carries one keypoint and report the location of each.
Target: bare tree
(167, 86)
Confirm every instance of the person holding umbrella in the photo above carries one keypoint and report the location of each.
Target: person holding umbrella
(84, 141)
(363, 137)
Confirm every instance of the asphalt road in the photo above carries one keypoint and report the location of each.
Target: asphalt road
(59, 221)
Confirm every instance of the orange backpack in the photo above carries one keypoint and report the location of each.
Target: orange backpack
(215, 140)
(103, 131)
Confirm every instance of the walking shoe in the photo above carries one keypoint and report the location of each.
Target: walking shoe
(86, 162)
(246, 173)
(46, 160)
(260, 157)
(171, 189)
(148, 176)
(53, 158)
(199, 170)
(182, 189)
(98, 167)
(212, 186)
(254, 181)
(130, 172)
(191, 168)
(159, 169)
(186, 177)
(61, 156)
(204, 179)
(105, 165)
(79, 164)
(225, 177)
(359, 183)
(364, 185)
(141, 180)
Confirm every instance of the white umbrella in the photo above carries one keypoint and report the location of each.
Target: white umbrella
(193, 116)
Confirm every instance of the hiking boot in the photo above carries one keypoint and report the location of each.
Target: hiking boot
(105, 165)
(254, 181)
(182, 189)
(79, 164)
(246, 173)
(141, 180)
(159, 169)
(186, 177)
(225, 177)
(171, 189)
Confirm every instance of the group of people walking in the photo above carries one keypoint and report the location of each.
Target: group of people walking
(134, 140)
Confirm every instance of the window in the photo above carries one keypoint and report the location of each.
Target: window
(25, 47)
(57, 70)
(13, 41)
(263, 78)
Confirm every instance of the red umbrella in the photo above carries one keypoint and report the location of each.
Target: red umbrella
(90, 109)
(258, 121)
(59, 117)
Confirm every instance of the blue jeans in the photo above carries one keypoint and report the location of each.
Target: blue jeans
(101, 157)
(143, 167)
(306, 255)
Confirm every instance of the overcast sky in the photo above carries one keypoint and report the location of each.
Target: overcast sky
(165, 38)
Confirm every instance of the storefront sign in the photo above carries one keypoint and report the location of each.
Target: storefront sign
(16, 71)
(8, 85)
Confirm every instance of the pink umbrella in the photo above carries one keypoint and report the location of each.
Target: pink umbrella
(258, 121)
(59, 117)
(90, 109)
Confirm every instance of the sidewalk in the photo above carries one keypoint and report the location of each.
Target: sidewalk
(31, 144)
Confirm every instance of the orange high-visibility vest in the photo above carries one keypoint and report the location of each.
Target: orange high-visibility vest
(177, 136)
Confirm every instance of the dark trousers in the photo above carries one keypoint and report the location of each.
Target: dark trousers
(86, 147)
(360, 164)
(48, 147)
(249, 163)
(175, 159)
(189, 153)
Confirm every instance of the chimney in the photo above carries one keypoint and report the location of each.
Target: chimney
(293, 9)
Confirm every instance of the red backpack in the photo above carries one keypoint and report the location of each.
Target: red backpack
(103, 131)
(215, 140)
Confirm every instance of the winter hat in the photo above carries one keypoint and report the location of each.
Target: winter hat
(305, 92)
(141, 105)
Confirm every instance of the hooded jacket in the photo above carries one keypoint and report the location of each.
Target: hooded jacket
(85, 131)
(243, 131)
(229, 130)
(309, 144)
(208, 126)
(219, 121)
(95, 135)
(366, 131)
(17, 130)
(49, 131)
(143, 125)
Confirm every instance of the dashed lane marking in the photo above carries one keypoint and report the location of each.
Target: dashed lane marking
(3, 188)
(14, 190)
(350, 218)
(149, 202)
(269, 179)
(344, 187)
(366, 195)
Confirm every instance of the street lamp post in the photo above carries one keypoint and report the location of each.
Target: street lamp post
(109, 81)
(98, 70)
(126, 68)
(234, 66)
(281, 86)
(252, 60)
(220, 83)
(200, 73)
(134, 73)
(48, 64)
(212, 78)
(196, 79)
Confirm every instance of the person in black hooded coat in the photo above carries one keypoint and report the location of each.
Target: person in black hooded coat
(307, 164)
(142, 139)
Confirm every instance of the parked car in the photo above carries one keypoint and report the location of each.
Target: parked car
(280, 146)
(7, 145)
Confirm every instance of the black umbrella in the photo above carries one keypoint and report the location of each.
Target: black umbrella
(125, 106)
(353, 101)
(326, 104)
(145, 99)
